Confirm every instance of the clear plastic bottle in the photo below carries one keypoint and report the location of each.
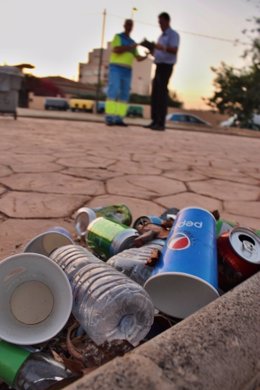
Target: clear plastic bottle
(107, 304)
(25, 370)
(133, 262)
(71, 258)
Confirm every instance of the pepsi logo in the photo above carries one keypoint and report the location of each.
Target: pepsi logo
(178, 242)
(196, 224)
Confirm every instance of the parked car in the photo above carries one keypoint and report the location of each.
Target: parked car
(135, 111)
(56, 104)
(180, 117)
(233, 122)
(101, 107)
(81, 105)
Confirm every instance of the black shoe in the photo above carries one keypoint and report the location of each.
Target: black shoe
(123, 124)
(150, 126)
(158, 128)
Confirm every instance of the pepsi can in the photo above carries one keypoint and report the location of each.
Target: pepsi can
(185, 277)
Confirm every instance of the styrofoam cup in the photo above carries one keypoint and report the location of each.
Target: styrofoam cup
(35, 299)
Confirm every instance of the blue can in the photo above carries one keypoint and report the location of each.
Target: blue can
(185, 277)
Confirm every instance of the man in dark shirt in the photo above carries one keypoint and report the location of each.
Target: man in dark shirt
(165, 57)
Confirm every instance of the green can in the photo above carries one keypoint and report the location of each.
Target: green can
(223, 226)
(107, 238)
(118, 213)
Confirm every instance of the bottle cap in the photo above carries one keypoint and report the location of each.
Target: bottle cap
(11, 359)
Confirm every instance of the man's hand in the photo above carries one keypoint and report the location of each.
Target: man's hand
(125, 48)
(168, 49)
(142, 58)
(132, 47)
(158, 46)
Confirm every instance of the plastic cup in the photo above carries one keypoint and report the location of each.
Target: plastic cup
(35, 299)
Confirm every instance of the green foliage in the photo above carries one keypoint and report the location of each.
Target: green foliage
(173, 100)
(237, 90)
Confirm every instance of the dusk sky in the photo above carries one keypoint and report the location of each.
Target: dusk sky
(55, 35)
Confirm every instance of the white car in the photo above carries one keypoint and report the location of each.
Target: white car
(232, 122)
(179, 117)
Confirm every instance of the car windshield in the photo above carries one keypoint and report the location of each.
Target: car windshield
(179, 118)
(193, 119)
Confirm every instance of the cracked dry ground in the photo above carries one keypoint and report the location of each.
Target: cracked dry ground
(48, 169)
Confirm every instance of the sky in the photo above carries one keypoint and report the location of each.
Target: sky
(56, 35)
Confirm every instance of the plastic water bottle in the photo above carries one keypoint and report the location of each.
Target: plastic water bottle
(71, 258)
(25, 370)
(107, 304)
(133, 262)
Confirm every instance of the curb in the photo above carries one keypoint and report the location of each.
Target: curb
(211, 130)
(216, 348)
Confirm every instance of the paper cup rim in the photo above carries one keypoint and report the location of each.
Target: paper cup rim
(29, 243)
(202, 282)
(67, 307)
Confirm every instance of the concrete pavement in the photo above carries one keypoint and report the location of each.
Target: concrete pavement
(50, 168)
(99, 118)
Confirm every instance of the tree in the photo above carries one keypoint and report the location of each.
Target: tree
(237, 90)
(173, 100)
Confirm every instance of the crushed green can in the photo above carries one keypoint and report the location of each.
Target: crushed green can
(107, 238)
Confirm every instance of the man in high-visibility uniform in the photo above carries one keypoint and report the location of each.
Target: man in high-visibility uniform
(120, 75)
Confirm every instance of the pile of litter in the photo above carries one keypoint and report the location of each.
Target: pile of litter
(70, 304)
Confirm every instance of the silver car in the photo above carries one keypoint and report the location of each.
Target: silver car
(183, 118)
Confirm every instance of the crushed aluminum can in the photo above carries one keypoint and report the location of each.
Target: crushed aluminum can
(84, 216)
(146, 219)
(170, 213)
(107, 238)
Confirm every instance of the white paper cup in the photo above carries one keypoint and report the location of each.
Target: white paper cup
(35, 299)
(47, 242)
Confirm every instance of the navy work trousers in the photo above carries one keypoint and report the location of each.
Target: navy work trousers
(159, 97)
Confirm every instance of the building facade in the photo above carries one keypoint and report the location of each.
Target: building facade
(142, 71)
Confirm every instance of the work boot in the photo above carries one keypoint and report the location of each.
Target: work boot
(121, 123)
(158, 127)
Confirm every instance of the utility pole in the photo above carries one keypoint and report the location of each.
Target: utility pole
(100, 58)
